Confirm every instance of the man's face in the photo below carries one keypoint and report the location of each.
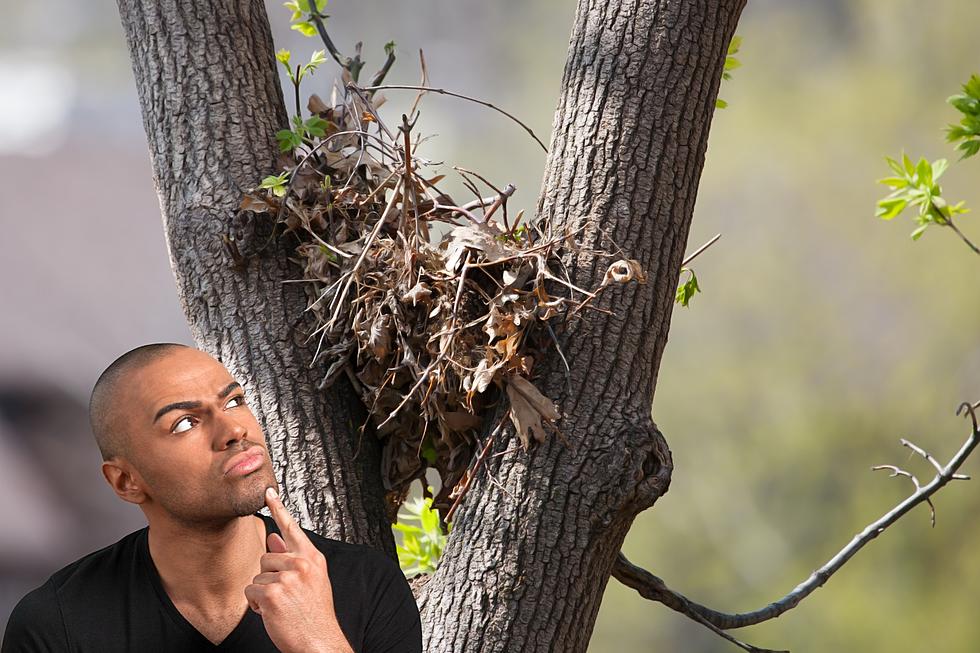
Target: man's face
(194, 443)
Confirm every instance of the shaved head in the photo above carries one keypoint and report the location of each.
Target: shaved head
(110, 434)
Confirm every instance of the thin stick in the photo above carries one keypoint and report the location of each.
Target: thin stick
(461, 96)
(700, 249)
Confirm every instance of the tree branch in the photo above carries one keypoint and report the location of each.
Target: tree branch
(443, 91)
(654, 588)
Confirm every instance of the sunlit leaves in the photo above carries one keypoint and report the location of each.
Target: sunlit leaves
(914, 186)
(968, 131)
(687, 290)
(731, 63)
(276, 183)
(422, 540)
(300, 9)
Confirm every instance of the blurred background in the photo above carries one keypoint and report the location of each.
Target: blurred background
(823, 335)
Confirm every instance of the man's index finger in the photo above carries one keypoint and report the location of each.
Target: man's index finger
(292, 534)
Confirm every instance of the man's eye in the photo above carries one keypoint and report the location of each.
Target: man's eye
(240, 399)
(183, 420)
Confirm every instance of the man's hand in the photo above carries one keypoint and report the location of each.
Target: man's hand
(293, 592)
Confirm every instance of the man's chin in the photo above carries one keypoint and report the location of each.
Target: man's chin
(250, 495)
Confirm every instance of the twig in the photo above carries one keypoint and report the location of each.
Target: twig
(425, 82)
(443, 91)
(700, 249)
(652, 587)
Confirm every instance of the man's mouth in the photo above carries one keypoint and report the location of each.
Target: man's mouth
(245, 462)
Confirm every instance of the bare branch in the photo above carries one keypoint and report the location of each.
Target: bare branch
(700, 249)
(652, 587)
(443, 91)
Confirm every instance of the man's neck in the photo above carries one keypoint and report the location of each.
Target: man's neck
(207, 566)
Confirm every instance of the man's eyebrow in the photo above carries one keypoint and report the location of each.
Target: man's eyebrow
(190, 405)
(231, 386)
(177, 405)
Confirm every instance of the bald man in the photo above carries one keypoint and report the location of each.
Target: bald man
(208, 572)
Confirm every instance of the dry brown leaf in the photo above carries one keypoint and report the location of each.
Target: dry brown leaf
(253, 203)
(527, 408)
(419, 293)
(316, 105)
(624, 270)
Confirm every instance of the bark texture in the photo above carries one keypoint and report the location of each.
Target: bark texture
(526, 566)
(212, 102)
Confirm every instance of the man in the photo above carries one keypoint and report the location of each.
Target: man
(208, 573)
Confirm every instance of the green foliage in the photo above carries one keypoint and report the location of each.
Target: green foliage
(914, 185)
(302, 131)
(687, 290)
(300, 9)
(277, 183)
(968, 131)
(731, 63)
(422, 538)
(296, 75)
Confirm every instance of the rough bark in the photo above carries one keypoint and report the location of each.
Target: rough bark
(212, 102)
(525, 569)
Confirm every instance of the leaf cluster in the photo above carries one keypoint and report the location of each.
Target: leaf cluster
(300, 9)
(914, 185)
(422, 537)
(968, 131)
(731, 63)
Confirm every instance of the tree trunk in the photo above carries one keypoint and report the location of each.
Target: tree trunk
(212, 102)
(535, 539)
(525, 568)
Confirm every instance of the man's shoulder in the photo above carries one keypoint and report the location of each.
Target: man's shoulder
(108, 559)
(37, 622)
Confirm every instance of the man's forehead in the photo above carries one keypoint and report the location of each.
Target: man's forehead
(182, 375)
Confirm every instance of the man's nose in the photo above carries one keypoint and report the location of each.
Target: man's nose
(230, 431)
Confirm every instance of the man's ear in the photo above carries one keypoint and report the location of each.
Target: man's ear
(123, 480)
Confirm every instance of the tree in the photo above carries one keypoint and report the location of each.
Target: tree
(630, 134)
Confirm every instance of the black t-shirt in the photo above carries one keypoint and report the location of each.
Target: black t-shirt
(113, 600)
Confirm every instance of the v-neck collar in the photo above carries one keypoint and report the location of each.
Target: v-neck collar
(246, 623)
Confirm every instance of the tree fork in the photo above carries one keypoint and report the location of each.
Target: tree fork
(211, 103)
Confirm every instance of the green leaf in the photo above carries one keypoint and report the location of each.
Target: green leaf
(908, 165)
(687, 290)
(970, 148)
(283, 56)
(918, 232)
(895, 165)
(293, 6)
(389, 48)
(894, 182)
(316, 59)
(276, 183)
(316, 126)
(972, 86)
(304, 27)
(889, 208)
(923, 171)
(288, 140)
(720, 104)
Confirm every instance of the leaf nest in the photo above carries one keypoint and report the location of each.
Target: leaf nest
(431, 308)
